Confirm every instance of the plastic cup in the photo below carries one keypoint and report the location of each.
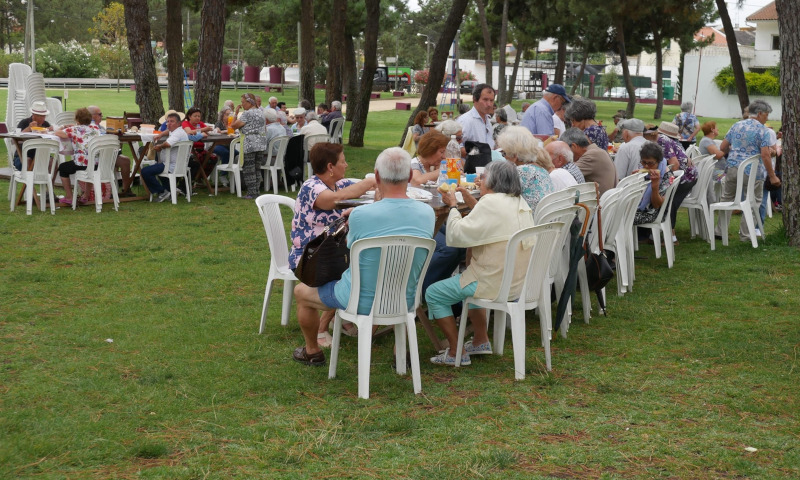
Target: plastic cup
(471, 177)
(480, 170)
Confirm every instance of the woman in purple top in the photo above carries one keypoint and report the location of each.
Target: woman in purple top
(581, 113)
(315, 207)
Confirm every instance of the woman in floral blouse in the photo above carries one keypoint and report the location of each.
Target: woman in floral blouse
(581, 112)
(251, 124)
(522, 148)
(79, 135)
(660, 178)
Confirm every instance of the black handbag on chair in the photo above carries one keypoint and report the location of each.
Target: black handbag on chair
(326, 257)
(478, 155)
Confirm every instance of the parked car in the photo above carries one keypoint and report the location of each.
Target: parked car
(467, 86)
(645, 93)
(616, 92)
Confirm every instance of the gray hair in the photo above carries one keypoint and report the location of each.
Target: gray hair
(282, 118)
(520, 143)
(502, 177)
(686, 107)
(229, 104)
(463, 108)
(575, 136)
(272, 98)
(311, 116)
(562, 148)
(758, 106)
(581, 109)
(393, 165)
(449, 127)
(336, 105)
(270, 115)
(93, 109)
(501, 114)
(525, 105)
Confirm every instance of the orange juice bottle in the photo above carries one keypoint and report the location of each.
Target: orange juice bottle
(453, 171)
(230, 122)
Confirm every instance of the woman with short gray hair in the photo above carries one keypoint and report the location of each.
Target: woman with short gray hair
(522, 149)
(688, 125)
(581, 113)
(499, 214)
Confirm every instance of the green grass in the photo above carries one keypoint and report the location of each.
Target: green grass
(697, 363)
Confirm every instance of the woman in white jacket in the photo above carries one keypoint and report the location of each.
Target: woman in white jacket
(500, 213)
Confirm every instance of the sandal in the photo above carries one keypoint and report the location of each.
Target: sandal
(315, 359)
(324, 339)
(349, 329)
(65, 201)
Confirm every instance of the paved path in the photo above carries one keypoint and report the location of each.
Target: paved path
(385, 104)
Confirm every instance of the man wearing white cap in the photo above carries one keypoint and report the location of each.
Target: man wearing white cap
(299, 120)
(37, 119)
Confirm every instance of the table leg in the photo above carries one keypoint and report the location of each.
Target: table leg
(202, 171)
(137, 159)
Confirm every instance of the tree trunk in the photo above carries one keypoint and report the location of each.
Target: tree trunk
(336, 52)
(148, 95)
(487, 41)
(513, 82)
(501, 90)
(659, 74)
(789, 24)
(733, 50)
(439, 60)
(580, 72)
(307, 80)
(209, 65)
(626, 71)
(360, 103)
(350, 74)
(561, 61)
(174, 56)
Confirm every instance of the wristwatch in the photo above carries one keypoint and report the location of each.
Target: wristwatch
(453, 206)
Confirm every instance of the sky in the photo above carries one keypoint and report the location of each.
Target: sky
(737, 15)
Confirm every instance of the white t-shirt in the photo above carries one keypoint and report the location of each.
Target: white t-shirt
(562, 179)
(558, 124)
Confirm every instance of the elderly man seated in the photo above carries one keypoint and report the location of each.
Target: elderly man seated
(561, 155)
(628, 160)
(594, 163)
(393, 213)
(335, 112)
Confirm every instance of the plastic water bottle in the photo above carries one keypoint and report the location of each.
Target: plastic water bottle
(442, 173)
(453, 149)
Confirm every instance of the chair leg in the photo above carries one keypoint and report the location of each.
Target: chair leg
(499, 331)
(413, 350)
(544, 321)
(52, 198)
(216, 180)
(462, 330)
(29, 191)
(656, 232)
(266, 304)
(710, 228)
(274, 175)
(115, 195)
(669, 246)
(747, 213)
(364, 359)
(518, 341)
(173, 189)
(187, 179)
(98, 196)
(337, 335)
(286, 309)
(400, 348)
(73, 181)
(238, 176)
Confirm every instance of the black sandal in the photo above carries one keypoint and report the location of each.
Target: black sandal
(314, 360)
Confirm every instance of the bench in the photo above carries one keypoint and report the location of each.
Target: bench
(374, 95)
(400, 93)
(402, 106)
(273, 89)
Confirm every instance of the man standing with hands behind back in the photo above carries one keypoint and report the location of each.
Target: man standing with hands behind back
(475, 124)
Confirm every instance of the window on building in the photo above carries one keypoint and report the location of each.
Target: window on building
(776, 44)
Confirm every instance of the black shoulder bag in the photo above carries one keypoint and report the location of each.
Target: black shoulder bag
(326, 257)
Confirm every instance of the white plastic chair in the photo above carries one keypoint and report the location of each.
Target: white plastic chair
(275, 163)
(535, 293)
(181, 170)
(233, 167)
(102, 155)
(692, 152)
(663, 224)
(697, 200)
(746, 204)
(44, 164)
(269, 209)
(390, 306)
(335, 130)
(65, 118)
(631, 193)
(312, 140)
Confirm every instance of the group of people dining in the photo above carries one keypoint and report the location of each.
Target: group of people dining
(522, 171)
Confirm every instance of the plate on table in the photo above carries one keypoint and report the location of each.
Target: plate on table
(419, 194)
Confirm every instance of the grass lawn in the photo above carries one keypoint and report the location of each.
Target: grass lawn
(697, 363)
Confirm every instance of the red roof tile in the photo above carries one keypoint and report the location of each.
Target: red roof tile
(770, 12)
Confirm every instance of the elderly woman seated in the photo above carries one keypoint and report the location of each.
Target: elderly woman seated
(430, 153)
(581, 113)
(521, 148)
(660, 178)
(419, 129)
(499, 214)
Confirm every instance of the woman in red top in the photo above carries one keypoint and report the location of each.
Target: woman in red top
(197, 130)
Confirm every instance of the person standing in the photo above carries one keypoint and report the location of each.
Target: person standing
(539, 117)
(251, 124)
(688, 125)
(476, 124)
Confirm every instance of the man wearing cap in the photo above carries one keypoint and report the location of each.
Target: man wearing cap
(123, 163)
(37, 119)
(628, 159)
(594, 163)
(299, 120)
(539, 117)
(476, 124)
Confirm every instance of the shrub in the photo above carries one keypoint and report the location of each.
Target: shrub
(466, 75)
(7, 59)
(67, 60)
(116, 61)
(767, 83)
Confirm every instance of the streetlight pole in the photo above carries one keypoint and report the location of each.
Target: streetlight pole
(397, 58)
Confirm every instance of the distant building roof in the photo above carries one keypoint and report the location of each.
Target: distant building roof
(770, 12)
(745, 37)
(708, 32)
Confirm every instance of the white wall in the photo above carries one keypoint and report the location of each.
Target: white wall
(700, 89)
(765, 55)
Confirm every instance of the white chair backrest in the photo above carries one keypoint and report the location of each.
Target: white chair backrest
(236, 146)
(664, 209)
(692, 151)
(564, 215)
(335, 129)
(635, 178)
(65, 118)
(311, 140)
(749, 189)
(45, 149)
(397, 255)
(511, 114)
(277, 159)
(184, 149)
(270, 211)
(705, 168)
(102, 152)
(585, 193)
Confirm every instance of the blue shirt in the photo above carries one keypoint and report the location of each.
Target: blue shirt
(747, 138)
(390, 216)
(538, 118)
(476, 129)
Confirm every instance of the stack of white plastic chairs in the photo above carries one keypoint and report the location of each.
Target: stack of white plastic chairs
(17, 107)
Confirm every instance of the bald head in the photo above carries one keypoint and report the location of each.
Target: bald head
(559, 152)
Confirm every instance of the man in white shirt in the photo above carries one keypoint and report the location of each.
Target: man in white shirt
(476, 124)
(628, 159)
(150, 173)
